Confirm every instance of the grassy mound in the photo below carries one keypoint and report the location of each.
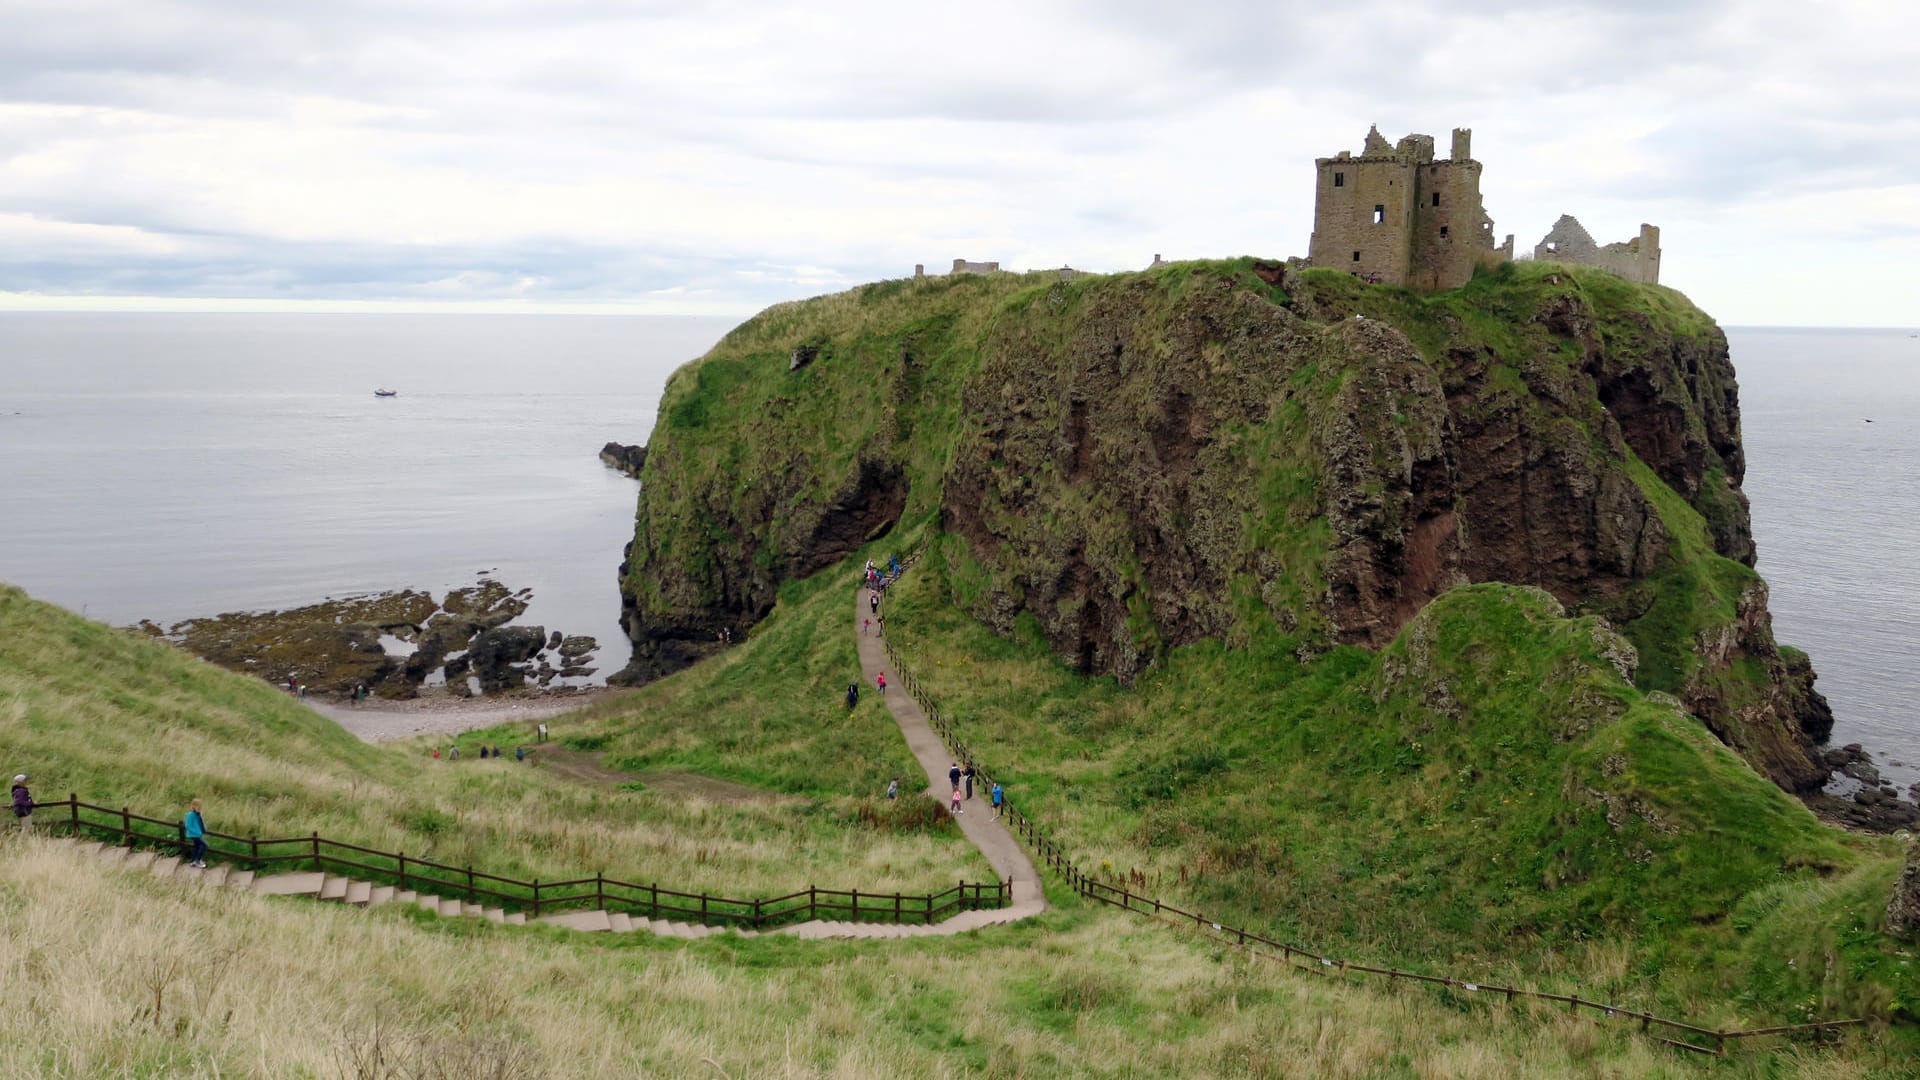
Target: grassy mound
(1489, 793)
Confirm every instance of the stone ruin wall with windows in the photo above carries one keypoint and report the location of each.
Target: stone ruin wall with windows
(1395, 214)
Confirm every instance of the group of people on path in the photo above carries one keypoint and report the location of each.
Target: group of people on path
(193, 828)
(961, 778)
(453, 752)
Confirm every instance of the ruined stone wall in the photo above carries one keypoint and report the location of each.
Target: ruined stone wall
(1350, 193)
(962, 266)
(1569, 242)
(1397, 213)
(1450, 231)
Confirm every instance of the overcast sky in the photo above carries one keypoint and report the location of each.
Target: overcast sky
(716, 157)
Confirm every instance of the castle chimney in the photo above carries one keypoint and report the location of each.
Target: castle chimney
(1462, 144)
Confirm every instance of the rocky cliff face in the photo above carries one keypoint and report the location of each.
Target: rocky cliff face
(1145, 461)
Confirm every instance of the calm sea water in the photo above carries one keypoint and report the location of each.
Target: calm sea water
(1836, 505)
(167, 466)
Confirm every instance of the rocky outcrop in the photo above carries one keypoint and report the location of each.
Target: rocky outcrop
(628, 459)
(1145, 462)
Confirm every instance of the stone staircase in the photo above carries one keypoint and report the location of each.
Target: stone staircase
(334, 888)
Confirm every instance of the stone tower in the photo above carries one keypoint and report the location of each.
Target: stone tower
(1396, 212)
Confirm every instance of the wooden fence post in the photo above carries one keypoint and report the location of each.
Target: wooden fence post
(126, 825)
(656, 899)
(599, 887)
(813, 905)
(73, 804)
(536, 898)
(403, 869)
(470, 894)
(316, 851)
(253, 849)
(855, 917)
(703, 909)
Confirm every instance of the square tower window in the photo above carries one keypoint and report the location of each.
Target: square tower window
(1379, 214)
(1443, 232)
(1436, 198)
(1339, 179)
(1356, 256)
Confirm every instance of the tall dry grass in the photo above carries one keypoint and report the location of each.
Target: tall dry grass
(111, 973)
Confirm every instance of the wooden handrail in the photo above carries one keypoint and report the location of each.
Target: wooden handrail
(1118, 896)
(606, 892)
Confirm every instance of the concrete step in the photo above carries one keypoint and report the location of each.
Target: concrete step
(90, 847)
(405, 896)
(494, 914)
(517, 918)
(380, 894)
(140, 860)
(580, 920)
(449, 908)
(113, 852)
(334, 888)
(428, 903)
(163, 866)
(471, 909)
(304, 883)
(359, 892)
(619, 922)
(215, 874)
(239, 879)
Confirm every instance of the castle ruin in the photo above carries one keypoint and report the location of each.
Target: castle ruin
(1397, 216)
(1637, 259)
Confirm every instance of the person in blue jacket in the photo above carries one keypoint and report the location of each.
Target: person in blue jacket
(196, 830)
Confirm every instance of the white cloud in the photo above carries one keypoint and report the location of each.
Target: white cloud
(593, 152)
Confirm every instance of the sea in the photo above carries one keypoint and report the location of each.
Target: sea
(169, 466)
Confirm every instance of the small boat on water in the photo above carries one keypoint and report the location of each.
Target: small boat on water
(384, 392)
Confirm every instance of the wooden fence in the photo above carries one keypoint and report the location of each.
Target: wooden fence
(1671, 1032)
(535, 897)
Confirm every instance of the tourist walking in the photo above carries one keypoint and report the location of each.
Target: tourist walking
(955, 804)
(519, 753)
(195, 829)
(865, 625)
(543, 731)
(967, 776)
(880, 680)
(953, 775)
(999, 798)
(22, 801)
(853, 695)
(893, 789)
(882, 624)
(873, 602)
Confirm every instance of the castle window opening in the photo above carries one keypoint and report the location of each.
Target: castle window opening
(1553, 246)
(1379, 213)
(1436, 198)
(1356, 256)
(1339, 179)
(1443, 232)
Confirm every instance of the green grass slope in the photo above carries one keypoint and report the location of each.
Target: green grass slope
(126, 721)
(1488, 793)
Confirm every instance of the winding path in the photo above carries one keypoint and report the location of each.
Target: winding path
(994, 840)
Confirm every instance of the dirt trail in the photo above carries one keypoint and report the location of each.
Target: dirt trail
(995, 841)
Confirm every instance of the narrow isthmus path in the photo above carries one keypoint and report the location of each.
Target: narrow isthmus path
(993, 838)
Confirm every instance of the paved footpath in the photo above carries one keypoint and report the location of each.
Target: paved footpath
(993, 838)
